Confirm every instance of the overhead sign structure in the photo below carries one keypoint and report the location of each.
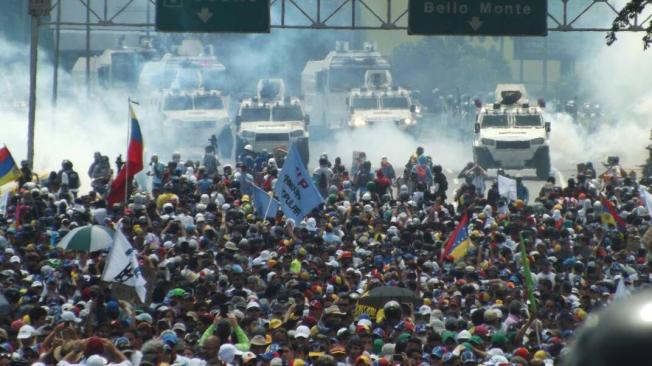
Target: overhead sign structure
(478, 17)
(40, 7)
(211, 16)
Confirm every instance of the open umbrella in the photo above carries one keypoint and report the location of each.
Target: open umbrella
(88, 238)
(379, 296)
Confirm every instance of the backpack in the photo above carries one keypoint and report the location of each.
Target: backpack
(421, 173)
(73, 179)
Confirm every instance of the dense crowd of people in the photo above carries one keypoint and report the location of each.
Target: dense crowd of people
(228, 287)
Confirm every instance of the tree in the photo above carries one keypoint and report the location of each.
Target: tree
(628, 13)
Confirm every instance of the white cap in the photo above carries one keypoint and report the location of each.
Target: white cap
(228, 352)
(302, 332)
(69, 316)
(179, 326)
(253, 305)
(425, 310)
(14, 259)
(26, 331)
(463, 335)
(265, 255)
(270, 275)
(365, 322)
(96, 360)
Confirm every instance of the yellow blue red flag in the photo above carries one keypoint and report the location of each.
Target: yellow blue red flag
(8, 169)
(458, 244)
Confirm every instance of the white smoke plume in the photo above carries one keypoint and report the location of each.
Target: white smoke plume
(78, 126)
(618, 78)
(396, 144)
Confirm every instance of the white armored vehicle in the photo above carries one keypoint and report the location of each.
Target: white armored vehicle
(272, 121)
(511, 133)
(113, 68)
(192, 66)
(326, 83)
(189, 118)
(380, 103)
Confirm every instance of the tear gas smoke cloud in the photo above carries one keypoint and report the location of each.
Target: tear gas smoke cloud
(75, 130)
(618, 78)
(389, 140)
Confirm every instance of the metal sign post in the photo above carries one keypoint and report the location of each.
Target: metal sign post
(37, 8)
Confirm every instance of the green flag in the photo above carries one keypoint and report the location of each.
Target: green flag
(528, 278)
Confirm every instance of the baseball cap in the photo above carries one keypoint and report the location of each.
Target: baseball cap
(169, 336)
(302, 332)
(248, 356)
(253, 305)
(425, 310)
(96, 360)
(438, 351)
(179, 326)
(144, 317)
(468, 357)
(69, 316)
(464, 335)
(228, 352)
(26, 331)
(337, 349)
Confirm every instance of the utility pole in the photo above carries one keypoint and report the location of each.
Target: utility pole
(37, 8)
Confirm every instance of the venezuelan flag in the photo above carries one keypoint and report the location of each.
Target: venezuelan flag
(611, 217)
(133, 165)
(458, 244)
(8, 169)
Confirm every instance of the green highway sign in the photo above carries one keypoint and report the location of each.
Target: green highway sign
(209, 16)
(478, 17)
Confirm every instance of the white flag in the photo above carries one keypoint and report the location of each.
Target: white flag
(4, 200)
(621, 290)
(647, 199)
(507, 187)
(122, 265)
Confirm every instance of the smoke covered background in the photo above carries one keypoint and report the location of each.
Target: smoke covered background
(617, 77)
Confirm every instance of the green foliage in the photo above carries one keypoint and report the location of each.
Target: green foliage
(449, 64)
(623, 20)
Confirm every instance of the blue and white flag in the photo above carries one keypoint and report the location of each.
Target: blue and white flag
(265, 205)
(122, 266)
(647, 200)
(294, 189)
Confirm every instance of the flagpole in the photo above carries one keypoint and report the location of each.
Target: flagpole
(269, 204)
(129, 102)
(127, 154)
